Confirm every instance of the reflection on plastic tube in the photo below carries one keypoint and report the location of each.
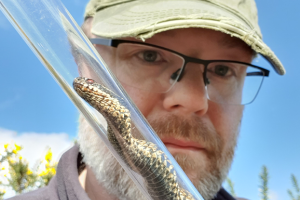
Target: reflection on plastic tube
(55, 38)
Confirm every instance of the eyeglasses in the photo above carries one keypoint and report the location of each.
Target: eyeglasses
(157, 69)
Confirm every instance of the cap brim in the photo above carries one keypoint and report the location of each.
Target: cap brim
(143, 19)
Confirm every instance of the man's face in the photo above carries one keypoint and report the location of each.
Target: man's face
(199, 133)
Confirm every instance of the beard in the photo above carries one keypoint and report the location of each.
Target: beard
(206, 176)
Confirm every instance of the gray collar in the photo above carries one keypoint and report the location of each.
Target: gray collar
(68, 184)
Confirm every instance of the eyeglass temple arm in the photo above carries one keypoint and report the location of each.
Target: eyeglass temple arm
(257, 74)
(103, 41)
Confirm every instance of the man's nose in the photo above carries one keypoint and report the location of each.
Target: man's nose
(189, 94)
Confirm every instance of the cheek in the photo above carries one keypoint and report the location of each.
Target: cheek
(226, 120)
(107, 53)
(145, 101)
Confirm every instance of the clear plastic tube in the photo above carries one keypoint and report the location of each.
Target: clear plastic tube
(56, 39)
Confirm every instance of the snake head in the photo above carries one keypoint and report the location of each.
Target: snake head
(86, 88)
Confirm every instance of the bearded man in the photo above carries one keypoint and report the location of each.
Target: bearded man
(187, 66)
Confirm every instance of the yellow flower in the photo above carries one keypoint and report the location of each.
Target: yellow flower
(6, 145)
(11, 160)
(20, 157)
(15, 151)
(18, 148)
(3, 168)
(29, 172)
(52, 170)
(43, 173)
(48, 156)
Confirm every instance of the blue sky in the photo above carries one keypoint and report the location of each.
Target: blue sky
(270, 132)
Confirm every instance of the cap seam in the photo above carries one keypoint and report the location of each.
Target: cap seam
(233, 11)
(109, 5)
(103, 6)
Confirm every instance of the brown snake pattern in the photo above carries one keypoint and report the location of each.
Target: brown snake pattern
(141, 156)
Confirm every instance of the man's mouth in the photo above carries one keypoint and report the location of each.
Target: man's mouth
(182, 144)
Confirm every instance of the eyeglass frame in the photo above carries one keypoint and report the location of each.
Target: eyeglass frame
(115, 43)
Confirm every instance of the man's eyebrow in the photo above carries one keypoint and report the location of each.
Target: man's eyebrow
(168, 34)
(234, 42)
(230, 42)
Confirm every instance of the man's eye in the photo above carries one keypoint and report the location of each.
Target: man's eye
(222, 70)
(150, 56)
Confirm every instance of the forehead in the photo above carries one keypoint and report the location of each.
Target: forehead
(195, 41)
(200, 35)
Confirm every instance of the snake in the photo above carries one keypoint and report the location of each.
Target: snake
(141, 156)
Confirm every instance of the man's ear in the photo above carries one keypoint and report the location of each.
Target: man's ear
(87, 26)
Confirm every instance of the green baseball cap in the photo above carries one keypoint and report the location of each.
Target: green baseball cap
(144, 18)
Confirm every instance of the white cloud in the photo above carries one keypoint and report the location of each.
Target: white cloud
(273, 195)
(35, 144)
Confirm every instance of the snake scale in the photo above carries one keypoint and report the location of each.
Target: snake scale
(141, 156)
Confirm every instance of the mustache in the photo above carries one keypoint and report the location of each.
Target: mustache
(190, 129)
